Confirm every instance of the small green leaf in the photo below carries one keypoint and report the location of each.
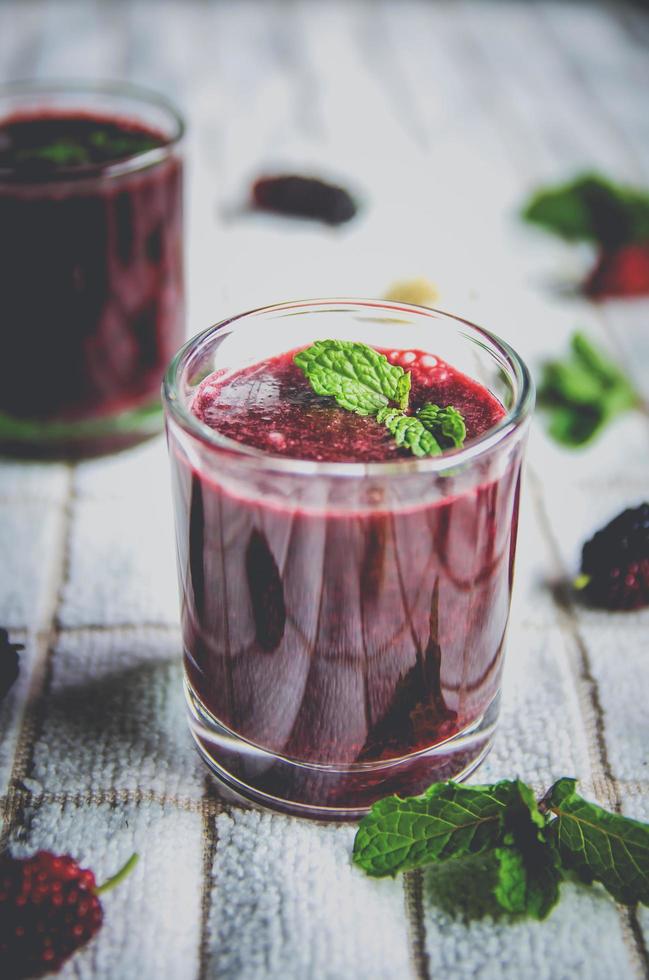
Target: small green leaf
(408, 431)
(599, 845)
(598, 364)
(511, 884)
(583, 392)
(446, 424)
(529, 873)
(525, 886)
(359, 378)
(402, 393)
(447, 821)
(63, 152)
(124, 144)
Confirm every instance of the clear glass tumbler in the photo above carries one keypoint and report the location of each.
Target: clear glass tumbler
(344, 623)
(91, 270)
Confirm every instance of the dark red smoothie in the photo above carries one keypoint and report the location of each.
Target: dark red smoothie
(90, 270)
(333, 635)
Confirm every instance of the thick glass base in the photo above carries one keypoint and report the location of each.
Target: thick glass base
(35, 439)
(332, 792)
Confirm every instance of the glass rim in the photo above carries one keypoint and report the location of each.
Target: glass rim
(514, 418)
(131, 163)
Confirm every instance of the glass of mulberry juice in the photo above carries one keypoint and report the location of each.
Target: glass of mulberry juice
(344, 602)
(91, 264)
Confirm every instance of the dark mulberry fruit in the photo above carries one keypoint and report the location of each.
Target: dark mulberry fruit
(615, 562)
(49, 908)
(305, 197)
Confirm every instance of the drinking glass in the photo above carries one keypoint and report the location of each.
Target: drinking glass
(91, 277)
(344, 623)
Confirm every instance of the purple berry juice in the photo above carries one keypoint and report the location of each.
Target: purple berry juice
(91, 275)
(341, 643)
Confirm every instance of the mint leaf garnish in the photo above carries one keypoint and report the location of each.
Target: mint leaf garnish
(583, 392)
(363, 381)
(447, 424)
(358, 377)
(592, 208)
(110, 146)
(402, 393)
(63, 152)
(512, 851)
(447, 821)
(599, 845)
(408, 431)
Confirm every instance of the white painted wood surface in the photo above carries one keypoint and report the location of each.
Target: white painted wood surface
(443, 115)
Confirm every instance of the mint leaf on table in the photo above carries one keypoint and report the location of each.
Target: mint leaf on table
(447, 821)
(600, 846)
(511, 852)
(592, 208)
(447, 424)
(583, 392)
(409, 431)
(357, 376)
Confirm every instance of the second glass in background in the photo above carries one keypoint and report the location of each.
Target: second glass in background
(91, 264)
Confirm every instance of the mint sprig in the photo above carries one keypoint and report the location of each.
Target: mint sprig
(583, 392)
(507, 845)
(363, 381)
(592, 208)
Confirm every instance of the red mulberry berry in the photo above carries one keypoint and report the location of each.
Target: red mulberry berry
(615, 562)
(305, 197)
(49, 908)
(623, 272)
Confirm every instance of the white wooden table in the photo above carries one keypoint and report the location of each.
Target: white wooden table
(443, 115)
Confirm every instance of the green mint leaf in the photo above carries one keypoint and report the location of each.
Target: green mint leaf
(528, 865)
(511, 883)
(64, 152)
(599, 845)
(408, 431)
(447, 821)
(595, 361)
(110, 146)
(446, 424)
(583, 392)
(592, 208)
(402, 393)
(358, 377)
(524, 886)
